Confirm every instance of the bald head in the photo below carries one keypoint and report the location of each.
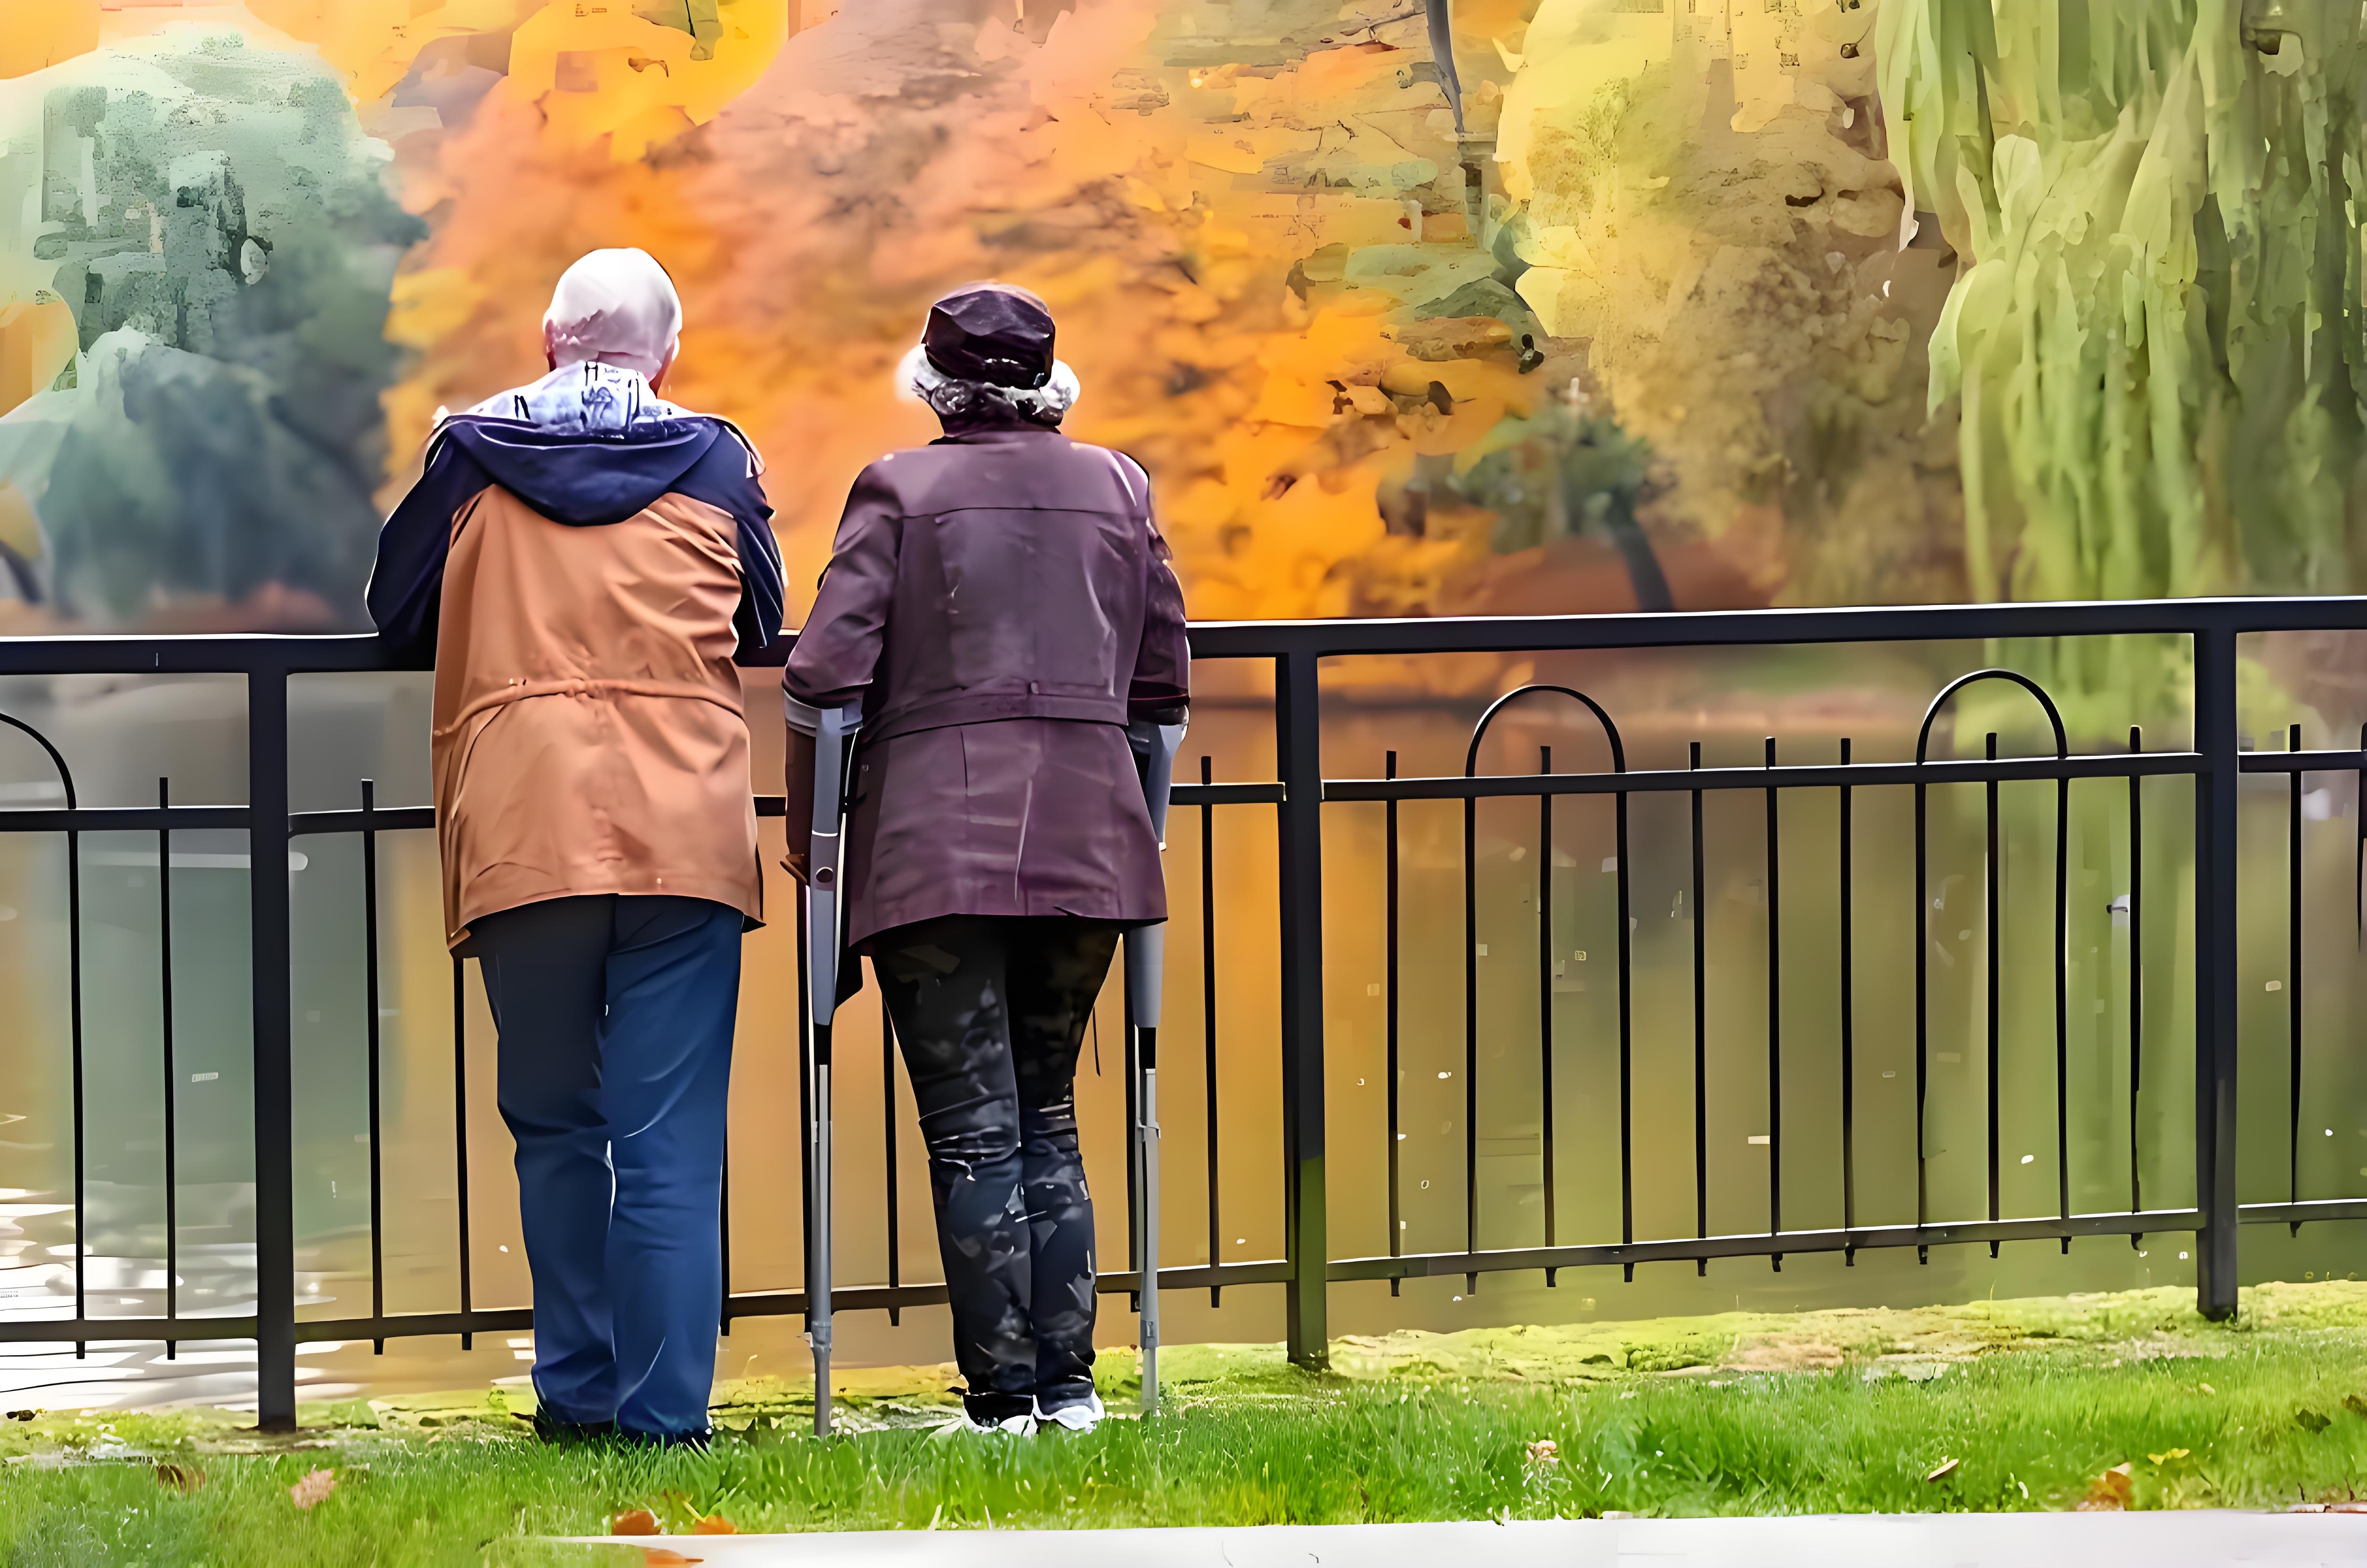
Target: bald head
(615, 307)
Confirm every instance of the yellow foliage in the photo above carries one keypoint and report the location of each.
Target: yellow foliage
(37, 341)
(597, 71)
(35, 34)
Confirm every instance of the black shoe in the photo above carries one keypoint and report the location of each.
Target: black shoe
(550, 1429)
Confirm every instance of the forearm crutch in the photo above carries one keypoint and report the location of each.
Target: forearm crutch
(1154, 758)
(833, 740)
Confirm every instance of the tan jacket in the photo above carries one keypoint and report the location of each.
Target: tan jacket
(586, 593)
(591, 739)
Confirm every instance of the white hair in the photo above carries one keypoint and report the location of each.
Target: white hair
(614, 307)
(952, 397)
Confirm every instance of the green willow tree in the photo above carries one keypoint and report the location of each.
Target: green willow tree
(2156, 337)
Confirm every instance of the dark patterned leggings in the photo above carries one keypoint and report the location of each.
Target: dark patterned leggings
(990, 1011)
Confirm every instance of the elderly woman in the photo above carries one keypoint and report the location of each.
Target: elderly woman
(1000, 604)
(586, 561)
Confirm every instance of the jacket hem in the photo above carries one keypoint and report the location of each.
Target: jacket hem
(879, 922)
(730, 893)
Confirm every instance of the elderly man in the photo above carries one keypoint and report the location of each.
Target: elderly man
(587, 562)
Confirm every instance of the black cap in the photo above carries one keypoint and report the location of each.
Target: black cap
(993, 332)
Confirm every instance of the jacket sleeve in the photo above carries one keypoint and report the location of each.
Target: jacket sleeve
(728, 479)
(1162, 666)
(406, 585)
(838, 651)
(761, 591)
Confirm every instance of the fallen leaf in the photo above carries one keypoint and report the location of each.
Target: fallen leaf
(313, 1490)
(1947, 1467)
(22, 1415)
(2311, 1420)
(2208, 1389)
(715, 1524)
(665, 1557)
(2109, 1493)
(181, 1477)
(2164, 1459)
(634, 1521)
(2353, 1404)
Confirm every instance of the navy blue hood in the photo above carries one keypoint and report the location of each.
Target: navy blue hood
(585, 480)
(579, 478)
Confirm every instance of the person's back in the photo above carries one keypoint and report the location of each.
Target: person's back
(988, 599)
(1001, 524)
(586, 560)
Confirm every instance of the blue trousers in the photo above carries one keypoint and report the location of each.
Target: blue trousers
(616, 1018)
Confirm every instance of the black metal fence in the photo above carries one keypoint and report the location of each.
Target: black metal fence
(1295, 652)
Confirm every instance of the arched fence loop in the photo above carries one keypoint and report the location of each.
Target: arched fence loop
(74, 1013)
(1546, 965)
(1993, 965)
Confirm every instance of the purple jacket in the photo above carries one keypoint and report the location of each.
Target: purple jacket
(1001, 602)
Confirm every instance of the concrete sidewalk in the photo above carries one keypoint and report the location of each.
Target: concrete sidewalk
(1927, 1540)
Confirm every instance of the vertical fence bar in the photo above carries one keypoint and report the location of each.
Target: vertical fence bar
(1299, 744)
(1775, 1020)
(171, 1075)
(1849, 1030)
(2293, 974)
(1923, 929)
(1545, 996)
(461, 1132)
(1470, 1036)
(275, 1153)
(371, 1038)
(1389, 883)
(2215, 970)
(2358, 855)
(74, 1007)
(1992, 879)
(2136, 973)
(1701, 1032)
(1208, 1012)
(1627, 1019)
(2063, 1005)
(888, 1108)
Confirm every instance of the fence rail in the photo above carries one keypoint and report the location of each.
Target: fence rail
(1298, 796)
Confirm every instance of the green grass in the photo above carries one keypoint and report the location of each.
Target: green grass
(1830, 1412)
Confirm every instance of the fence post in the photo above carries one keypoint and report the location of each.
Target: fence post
(2215, 785)
(275, 1153)
(1299, 751)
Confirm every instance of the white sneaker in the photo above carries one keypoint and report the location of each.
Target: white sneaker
(1073, 1417)
(1020, 1426)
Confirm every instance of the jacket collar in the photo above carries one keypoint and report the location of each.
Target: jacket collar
(991, 427)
